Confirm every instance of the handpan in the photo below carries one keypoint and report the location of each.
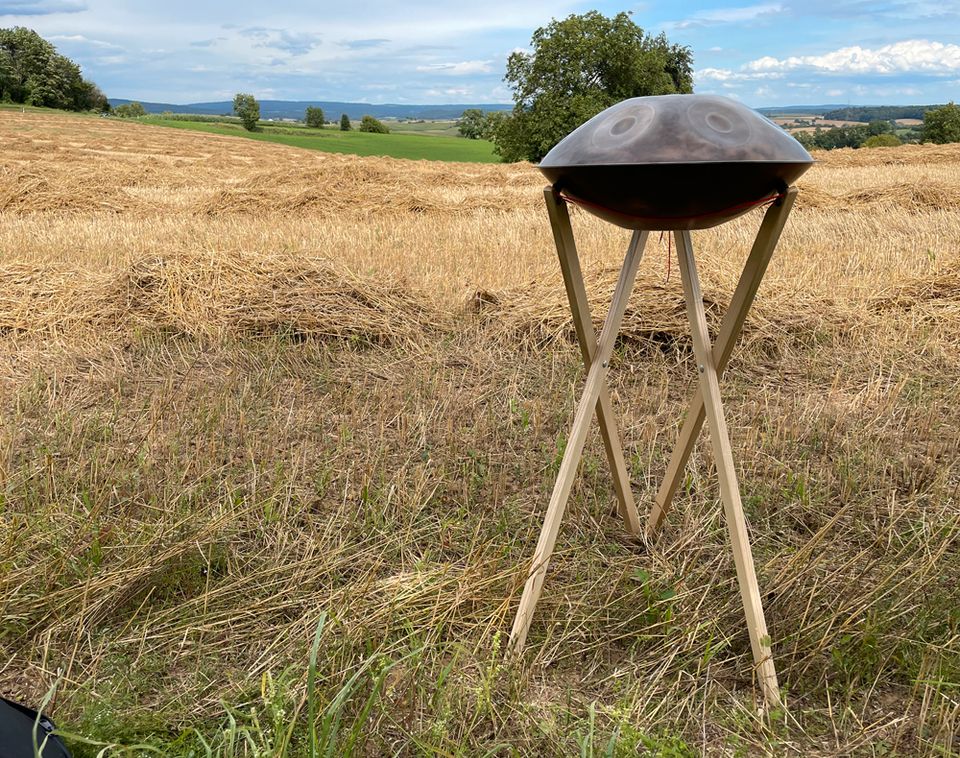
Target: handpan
(674, 162)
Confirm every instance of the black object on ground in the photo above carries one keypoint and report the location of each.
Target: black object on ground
(16, 733)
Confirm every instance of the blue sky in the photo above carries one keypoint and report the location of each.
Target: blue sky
(771, 52)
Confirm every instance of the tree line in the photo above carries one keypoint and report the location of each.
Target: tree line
(941, 124)
(32, 72)
(867, 113)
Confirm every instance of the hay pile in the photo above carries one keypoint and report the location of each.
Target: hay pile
(656, 314)
(940, 288)
(32, 189)
(360, 187)
(810, 196)
(913, 196)
(212, 296)
(899, 156)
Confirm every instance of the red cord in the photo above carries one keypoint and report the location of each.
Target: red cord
(669, 253)
(669, 256)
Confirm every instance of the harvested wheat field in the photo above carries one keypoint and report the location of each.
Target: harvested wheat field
(256, 401)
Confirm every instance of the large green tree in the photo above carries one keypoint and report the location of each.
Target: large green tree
(470, 123)
(315, 117)
(248, 109)
(34, 73)
(942, 124)
(578, 67)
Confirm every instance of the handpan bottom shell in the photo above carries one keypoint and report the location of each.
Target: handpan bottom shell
(669, 196)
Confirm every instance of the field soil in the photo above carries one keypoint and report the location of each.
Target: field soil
(257, 401)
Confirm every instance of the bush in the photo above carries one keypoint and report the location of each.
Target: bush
(882, 140)
(248, 109)
(314, 117)
(491, 123)
(470, 124)
(130, 110)
(942, 125)
(370, 124)
(345, 123)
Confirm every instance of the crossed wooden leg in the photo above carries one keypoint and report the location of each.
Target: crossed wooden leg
(580, 310)
(594, 399)
(726, 473)
(753, 271)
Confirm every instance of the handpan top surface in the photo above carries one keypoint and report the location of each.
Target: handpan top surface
(674, 162)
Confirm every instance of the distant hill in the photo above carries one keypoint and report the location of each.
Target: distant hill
(295, 109)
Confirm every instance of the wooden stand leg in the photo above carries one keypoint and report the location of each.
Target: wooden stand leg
(580, 310)
(753, 271)
(729, 489)
(578, 435)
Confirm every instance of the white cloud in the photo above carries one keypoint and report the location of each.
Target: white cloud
(715, 74)
(913, 58)
(464, 68)
(716, 16)
(80, 39)
(908, 56)
(728, 75)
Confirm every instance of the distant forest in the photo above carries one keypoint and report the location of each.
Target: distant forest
(868, 113)
(32, 72)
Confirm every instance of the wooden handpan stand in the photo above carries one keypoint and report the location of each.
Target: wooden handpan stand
(706, 404)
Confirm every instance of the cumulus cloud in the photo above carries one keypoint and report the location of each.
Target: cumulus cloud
(464, 68)
(40, 7)
(908, 56)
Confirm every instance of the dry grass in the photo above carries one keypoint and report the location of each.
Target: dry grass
(244, 385)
